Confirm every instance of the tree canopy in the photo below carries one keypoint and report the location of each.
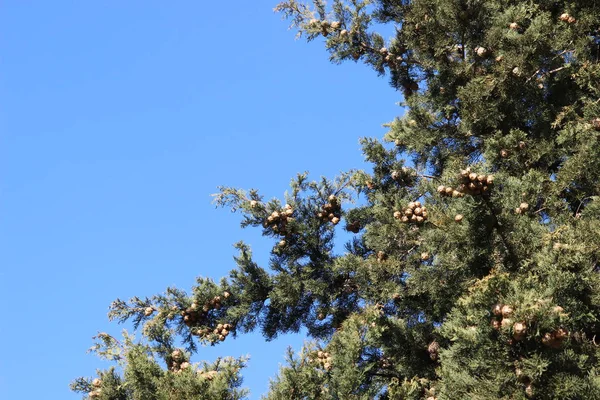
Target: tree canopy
(472, 272)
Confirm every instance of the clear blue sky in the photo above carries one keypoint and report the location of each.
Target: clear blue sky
(118, 119)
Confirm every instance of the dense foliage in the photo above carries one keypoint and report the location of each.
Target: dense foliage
(473, 269)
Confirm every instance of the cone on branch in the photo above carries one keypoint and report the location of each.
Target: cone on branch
(561, 334)
(519, 330)
(522, 209)
(529, 390)
(555, 339)
(507, 311)
(331, 211)
(381, 256)
(433, 349)
(481, 51)
(506, 325)
(354, 227)
(496, 324)
(497, 310)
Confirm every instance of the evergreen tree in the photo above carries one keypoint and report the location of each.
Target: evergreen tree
(473, 272)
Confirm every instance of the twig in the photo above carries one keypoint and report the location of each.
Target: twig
(580, 204)
(563, 52)
(556, 70)
(344, 186)
(546, 73)
(532, 76)
(434, 224)
(385, 375)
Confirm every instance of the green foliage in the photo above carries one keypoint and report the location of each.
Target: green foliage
(473, 270)
(142, 377)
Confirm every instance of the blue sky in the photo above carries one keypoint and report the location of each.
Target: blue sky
(117, 121)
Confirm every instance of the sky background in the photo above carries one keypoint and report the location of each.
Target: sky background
(118, 119)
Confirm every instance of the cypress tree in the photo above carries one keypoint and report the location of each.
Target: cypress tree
(473, 268)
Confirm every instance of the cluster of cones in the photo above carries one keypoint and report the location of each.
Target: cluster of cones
(556, 338)
(502, 319)
(474, 184)
(449, 191)
(222, 330)
(215, 302)
(385, 362)
(97, 391)
(566, 17)
(471, 183)
(278, 220)
(220, 333)
(209, 375)
(414, 212)
(332, 211)
(433, 349)
(523, 208)
(326, 26)
(353, 227)
(322, 359)
(193, 314)
(179, 366)
(177, 362)
(391, 59)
